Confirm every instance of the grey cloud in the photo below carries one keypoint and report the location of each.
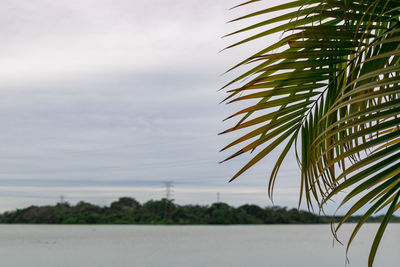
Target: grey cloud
(117, 94)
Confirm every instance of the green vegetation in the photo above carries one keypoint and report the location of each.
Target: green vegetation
(329, 88)
(129, 211)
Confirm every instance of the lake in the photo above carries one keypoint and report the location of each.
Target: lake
(133, 245)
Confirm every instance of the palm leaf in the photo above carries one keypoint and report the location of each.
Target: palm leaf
(330, 89)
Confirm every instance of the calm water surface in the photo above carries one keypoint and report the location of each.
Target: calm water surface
(267, 245)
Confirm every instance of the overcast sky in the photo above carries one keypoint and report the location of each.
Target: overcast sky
(109, 98)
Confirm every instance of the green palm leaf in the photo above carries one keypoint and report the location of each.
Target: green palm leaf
(330, 89)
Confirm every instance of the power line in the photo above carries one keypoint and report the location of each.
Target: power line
(171, 164)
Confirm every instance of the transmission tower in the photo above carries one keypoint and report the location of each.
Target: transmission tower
(168, 194)
(168, 189)
(62, 199)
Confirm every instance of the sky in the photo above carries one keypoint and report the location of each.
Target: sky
(108, 98)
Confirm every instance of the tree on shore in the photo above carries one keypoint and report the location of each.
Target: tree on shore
(127, 210)
(330, 90)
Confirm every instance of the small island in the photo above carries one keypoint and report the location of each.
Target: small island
(127, 210)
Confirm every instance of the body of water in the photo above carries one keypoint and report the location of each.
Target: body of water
(210, 246)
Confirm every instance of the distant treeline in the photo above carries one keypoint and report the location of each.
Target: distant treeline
(129, 211)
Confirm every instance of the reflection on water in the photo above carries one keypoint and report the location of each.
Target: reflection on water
(266, 245)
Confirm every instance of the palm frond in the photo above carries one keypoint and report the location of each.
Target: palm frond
(330, 88)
